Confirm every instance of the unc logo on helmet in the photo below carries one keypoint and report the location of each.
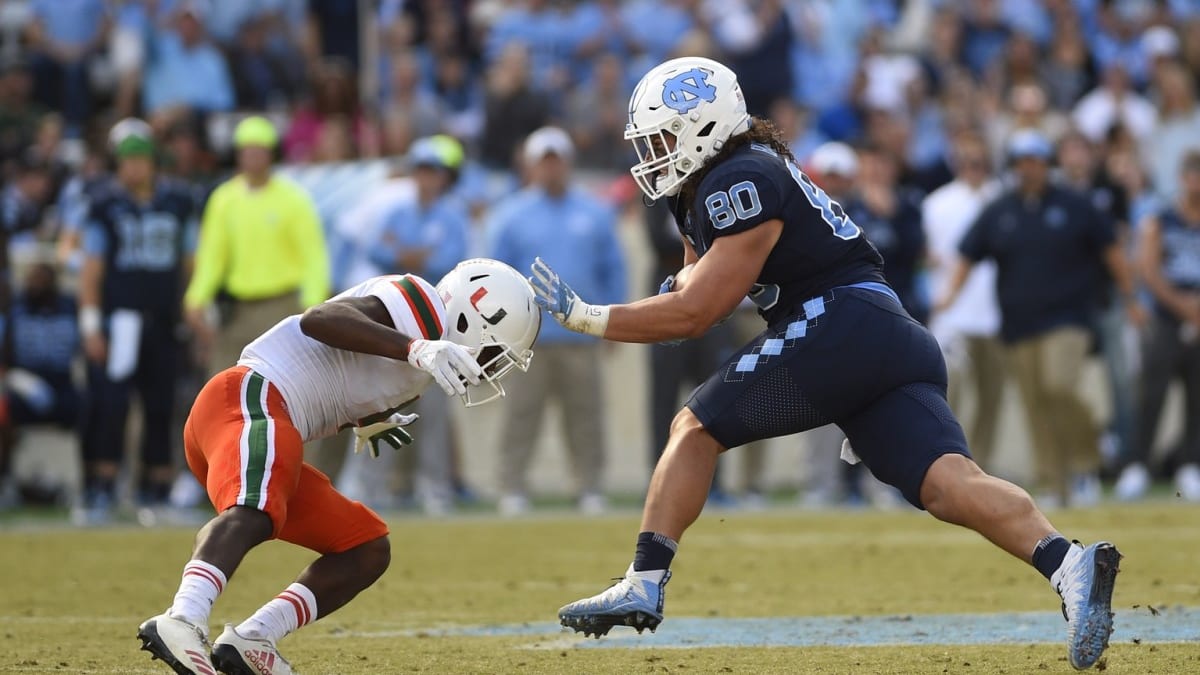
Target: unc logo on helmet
(686, 90)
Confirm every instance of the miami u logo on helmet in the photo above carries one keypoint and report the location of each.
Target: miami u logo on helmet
(685, 91)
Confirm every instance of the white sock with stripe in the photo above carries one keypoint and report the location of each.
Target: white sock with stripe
(198, 590)
(296, 606)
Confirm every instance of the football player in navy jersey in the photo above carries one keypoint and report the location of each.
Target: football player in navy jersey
(137, 234)
(838, 347)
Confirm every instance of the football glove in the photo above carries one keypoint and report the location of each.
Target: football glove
(390, 431)
(551, 294)
(452, 365)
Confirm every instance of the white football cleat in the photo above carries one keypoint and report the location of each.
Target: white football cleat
(181, 645)
(1085, 582)
(236, 654)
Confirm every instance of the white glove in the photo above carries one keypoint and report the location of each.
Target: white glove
(563, 304)
(453, 366)
(388, 431)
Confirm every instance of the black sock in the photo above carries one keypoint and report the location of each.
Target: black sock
(1049, 553)
(654, 552)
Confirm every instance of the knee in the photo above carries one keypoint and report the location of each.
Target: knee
(946, 482)
(688, 432)
(241, 522)
(374, 557)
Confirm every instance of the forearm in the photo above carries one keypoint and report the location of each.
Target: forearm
(1119, 268)
(656, 319)
(343, 327)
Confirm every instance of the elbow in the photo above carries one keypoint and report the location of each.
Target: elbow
(313, 320)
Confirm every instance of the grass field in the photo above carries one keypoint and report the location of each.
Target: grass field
(477, 595)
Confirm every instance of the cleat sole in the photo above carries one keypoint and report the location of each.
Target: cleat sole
(1095, 627)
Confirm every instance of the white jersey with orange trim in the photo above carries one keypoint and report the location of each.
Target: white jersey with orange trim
(326, 388)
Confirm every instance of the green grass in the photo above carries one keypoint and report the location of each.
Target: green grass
(70, 601)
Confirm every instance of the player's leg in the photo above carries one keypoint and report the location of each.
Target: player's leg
(242, 447)
(103, 442)
(156, 382)
(751, 397)
(910, 439)
(355, 553)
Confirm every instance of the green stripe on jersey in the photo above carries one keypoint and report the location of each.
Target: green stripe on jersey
(426, 314)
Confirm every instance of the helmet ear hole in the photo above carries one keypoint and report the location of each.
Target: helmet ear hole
(708, 128)
(462, 324)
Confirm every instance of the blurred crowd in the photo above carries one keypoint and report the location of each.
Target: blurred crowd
(1029, 170)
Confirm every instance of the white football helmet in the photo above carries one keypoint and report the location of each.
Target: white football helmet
(699, 103)
(489, 306)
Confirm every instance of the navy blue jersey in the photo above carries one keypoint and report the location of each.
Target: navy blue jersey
(143, 245)
(820, 247)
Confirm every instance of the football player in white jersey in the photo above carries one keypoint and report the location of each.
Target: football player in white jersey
(353, 361)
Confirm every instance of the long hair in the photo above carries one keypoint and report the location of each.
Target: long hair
(760, 131)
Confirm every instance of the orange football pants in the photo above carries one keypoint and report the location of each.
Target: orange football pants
(241, 445)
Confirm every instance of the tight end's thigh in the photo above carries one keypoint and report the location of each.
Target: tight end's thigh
(903, 433)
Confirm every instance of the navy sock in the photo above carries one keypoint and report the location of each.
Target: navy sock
(654, 552)
(1049, 553)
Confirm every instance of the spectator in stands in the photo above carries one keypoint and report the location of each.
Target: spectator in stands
(410, 110)
(1027, 109)
(967, 330)
(598, 113)
(184, 70)
(262, 77)
(756, 38)
(985, 35)
(1080, 169)
(458, 97)
(1051, 248)
(1114, 103)
(1170, 265)
(427, 236)
(558, 221)
(63, 36)
(23, 202)
(542, 29)
(512, 109)
(335, 102)
(19, 113)
(890, 216)
(1067, 69)
(261, 243)
(137, 247)
(44, 342)
(793, 122)
(1178, 130)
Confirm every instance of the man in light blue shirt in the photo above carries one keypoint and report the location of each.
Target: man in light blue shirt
(425, 235)
(63, 35)
(576, 233)
(184, 68)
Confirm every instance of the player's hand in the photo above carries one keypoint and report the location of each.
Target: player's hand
(95, 348)
(551, 294)
(390, 431)
(452, 365)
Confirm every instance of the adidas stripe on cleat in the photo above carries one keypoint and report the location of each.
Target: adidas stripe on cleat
(237, 654)
(179, 644)
(636, 600)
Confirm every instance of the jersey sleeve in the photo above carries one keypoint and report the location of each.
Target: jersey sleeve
(413, 303)
(737, 198)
